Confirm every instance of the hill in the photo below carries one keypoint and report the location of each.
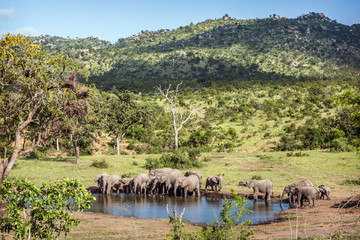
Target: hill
(308, 47)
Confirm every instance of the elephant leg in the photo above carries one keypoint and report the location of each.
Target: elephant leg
(255, 195)
(198, 191)
(185, 191)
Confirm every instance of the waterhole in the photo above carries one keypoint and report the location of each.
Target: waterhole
(197, 210)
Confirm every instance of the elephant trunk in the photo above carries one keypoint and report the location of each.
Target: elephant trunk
(282, 196)
(175, 187)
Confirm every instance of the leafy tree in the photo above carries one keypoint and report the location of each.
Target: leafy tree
(124, 112)
(351, 97)
(36, 93)
(41, 212)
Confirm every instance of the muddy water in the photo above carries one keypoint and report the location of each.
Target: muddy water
(197, 210)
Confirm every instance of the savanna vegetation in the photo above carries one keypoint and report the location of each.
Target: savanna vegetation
(272, 98)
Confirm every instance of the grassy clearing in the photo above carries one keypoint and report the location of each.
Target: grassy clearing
(319, 167)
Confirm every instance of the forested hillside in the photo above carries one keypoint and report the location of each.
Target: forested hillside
(308, 47)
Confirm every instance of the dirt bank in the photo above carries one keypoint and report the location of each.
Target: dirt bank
(325, 219)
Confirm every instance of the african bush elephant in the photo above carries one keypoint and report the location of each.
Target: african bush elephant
(163, 182)
(324, 191)
(259, 186)
(214, 181)
(99, 181)
(196, 173)
(126, 184)
(288, 190)
(308, 193)
(139, 183)
(109, 182)
(153, 173)
(187, 184)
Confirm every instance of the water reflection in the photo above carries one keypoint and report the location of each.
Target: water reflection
(197, 210)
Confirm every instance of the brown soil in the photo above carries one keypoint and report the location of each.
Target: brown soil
(324, 220)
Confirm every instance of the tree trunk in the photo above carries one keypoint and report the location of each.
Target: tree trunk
(117, 145)
(57, 145)
(176, 140)
(77, 152)
(8, 164)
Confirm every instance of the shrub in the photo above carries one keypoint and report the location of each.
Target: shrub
(297, 154)
(225, 227)
(100, 164)
(178, 159)
(340, 145)
(256, 177)
(352, 181)
(41, 212)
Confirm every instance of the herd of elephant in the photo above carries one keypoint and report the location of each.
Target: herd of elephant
(158, 181)
(171, 182)
(297, 192)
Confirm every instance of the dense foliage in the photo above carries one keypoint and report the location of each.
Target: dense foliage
(41, 212)
(308, 47)
(38, 96)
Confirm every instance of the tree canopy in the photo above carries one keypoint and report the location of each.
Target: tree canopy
(37, 93)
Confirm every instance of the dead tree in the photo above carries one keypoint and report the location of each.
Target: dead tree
(179, 116)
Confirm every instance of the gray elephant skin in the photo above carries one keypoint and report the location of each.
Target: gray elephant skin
(289, 189)
(259, 186)
(155, 172)
(214, 181)
(305, 193)
(163, 182)
(126, 184)
(187, 184)
(110, 181)
(99, 181)
(138, 184)
(324, 192)
(196, 173)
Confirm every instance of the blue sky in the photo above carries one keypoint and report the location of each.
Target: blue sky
(114, 19)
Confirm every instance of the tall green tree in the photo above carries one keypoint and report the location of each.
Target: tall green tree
(37, 92)
(123, 111)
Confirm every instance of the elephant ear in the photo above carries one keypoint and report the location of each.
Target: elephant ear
(251, 184)
(215, 179)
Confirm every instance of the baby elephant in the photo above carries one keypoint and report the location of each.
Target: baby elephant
(259, 186)
(214, 181)
(324, 191)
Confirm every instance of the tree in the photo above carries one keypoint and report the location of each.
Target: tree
(41, 212)
(37, 92)
(179, 116)
(122, 113)
(352, 98)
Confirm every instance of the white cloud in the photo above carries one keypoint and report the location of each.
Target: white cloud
(7, 13)
(27, 31)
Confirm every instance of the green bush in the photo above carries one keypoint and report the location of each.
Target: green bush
(256, 177)
(178, 159)
(352, 181)
(340, 145)
(297, 154)
(100, 164)
(49, 208)
(225, 227)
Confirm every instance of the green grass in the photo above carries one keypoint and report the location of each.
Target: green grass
(319, 167)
